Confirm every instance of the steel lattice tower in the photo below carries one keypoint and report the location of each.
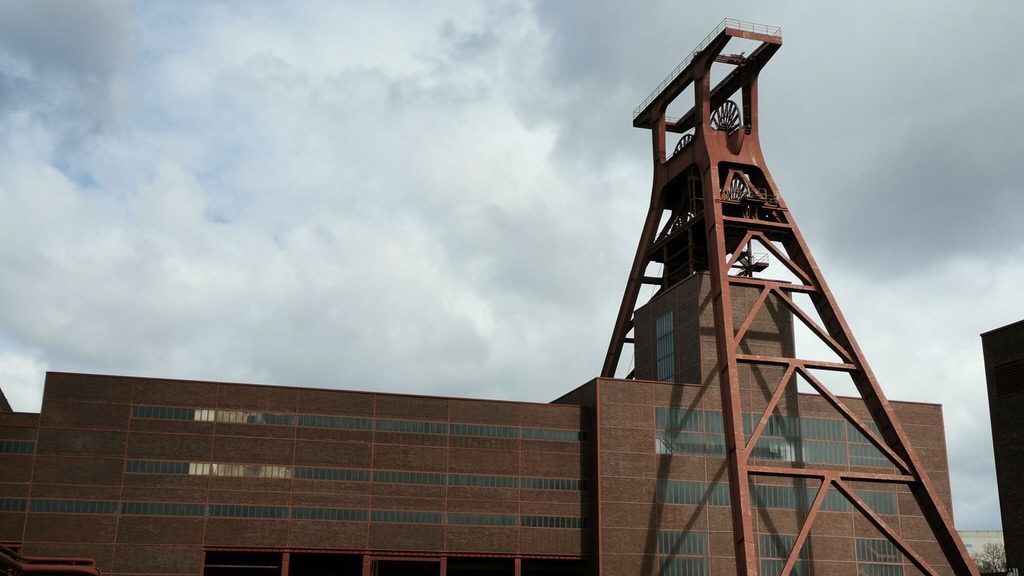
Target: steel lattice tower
(721, 202)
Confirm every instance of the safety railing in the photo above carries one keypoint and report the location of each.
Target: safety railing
(726, 23)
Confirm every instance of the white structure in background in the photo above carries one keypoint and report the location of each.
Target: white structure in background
(975, 539)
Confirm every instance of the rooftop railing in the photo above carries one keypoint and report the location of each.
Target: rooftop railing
(725, 23)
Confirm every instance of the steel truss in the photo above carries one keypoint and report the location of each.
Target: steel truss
(722, 202)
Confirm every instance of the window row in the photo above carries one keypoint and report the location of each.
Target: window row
(17, 447)
(878, 557)
(774, 566)
(772, 496)
(354, 423)
(688, 419)
(689, 443)
(778, 546)
(465, 519)
(787, 449)
(689, 492)
(349, 475)
(162, 509)
(682, 543)
(794, 498)
(683, 567)
(102, 507)
(553, 522)
(12, 504)
(778, 425)
(878, 550)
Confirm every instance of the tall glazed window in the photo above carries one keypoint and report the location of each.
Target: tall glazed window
(665, 348)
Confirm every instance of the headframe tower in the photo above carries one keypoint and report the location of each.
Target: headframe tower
(714, 202)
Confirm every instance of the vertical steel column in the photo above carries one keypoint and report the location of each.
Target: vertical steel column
(286, 558)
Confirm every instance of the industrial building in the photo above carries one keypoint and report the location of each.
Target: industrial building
(1004, 371)
(151, 476)
(721, 451)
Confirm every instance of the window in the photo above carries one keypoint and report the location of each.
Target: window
(162, 509)
(697, 493)
(485, 431)
(335, 474)
(880, 502)
(332, 514)
(683, 567)
(683, 553)
(73, 506)
(247, 470)
(17, 447)
(481, 519)
(240, 511)
(12, 504)
(680, 543)
(774, 550)
(407, 517)
(396, 477)
(155, 467)
(344, 422)
(553, 484)
(163, 412)
(689, 431)
(243, 417)
(483, 481)
(878, 557)
(553, 522)
(412, 426)
(552, 434)
(665, 348)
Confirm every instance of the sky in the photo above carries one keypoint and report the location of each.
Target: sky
(445, 198)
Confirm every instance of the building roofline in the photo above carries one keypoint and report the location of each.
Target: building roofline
(5, 406)
(1001, 328)
(553, 402)
(280, 386)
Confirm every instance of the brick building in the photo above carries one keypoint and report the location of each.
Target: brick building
(1004, 372)
(616, 477)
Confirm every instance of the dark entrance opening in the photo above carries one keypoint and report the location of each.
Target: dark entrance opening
(553, 567)
(410, 567)
(481, 567)
(325, 565)
(242, 563)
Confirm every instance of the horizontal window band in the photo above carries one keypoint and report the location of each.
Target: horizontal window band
(17, 447)
(354, 423)
(13, 504)
(350, 475)
(104, 507)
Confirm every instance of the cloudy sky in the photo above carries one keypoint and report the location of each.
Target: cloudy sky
(445, 197)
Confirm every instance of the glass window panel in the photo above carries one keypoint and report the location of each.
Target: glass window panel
(407, 517)
(485, 431)
(17, 447)
(329, 514)
(680, 543)
(481, 519)
(344, 422)
(552, 434)
(412, 426)
(12, 504)
(683, 567)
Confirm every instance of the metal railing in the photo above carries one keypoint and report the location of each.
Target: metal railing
(725, 23)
